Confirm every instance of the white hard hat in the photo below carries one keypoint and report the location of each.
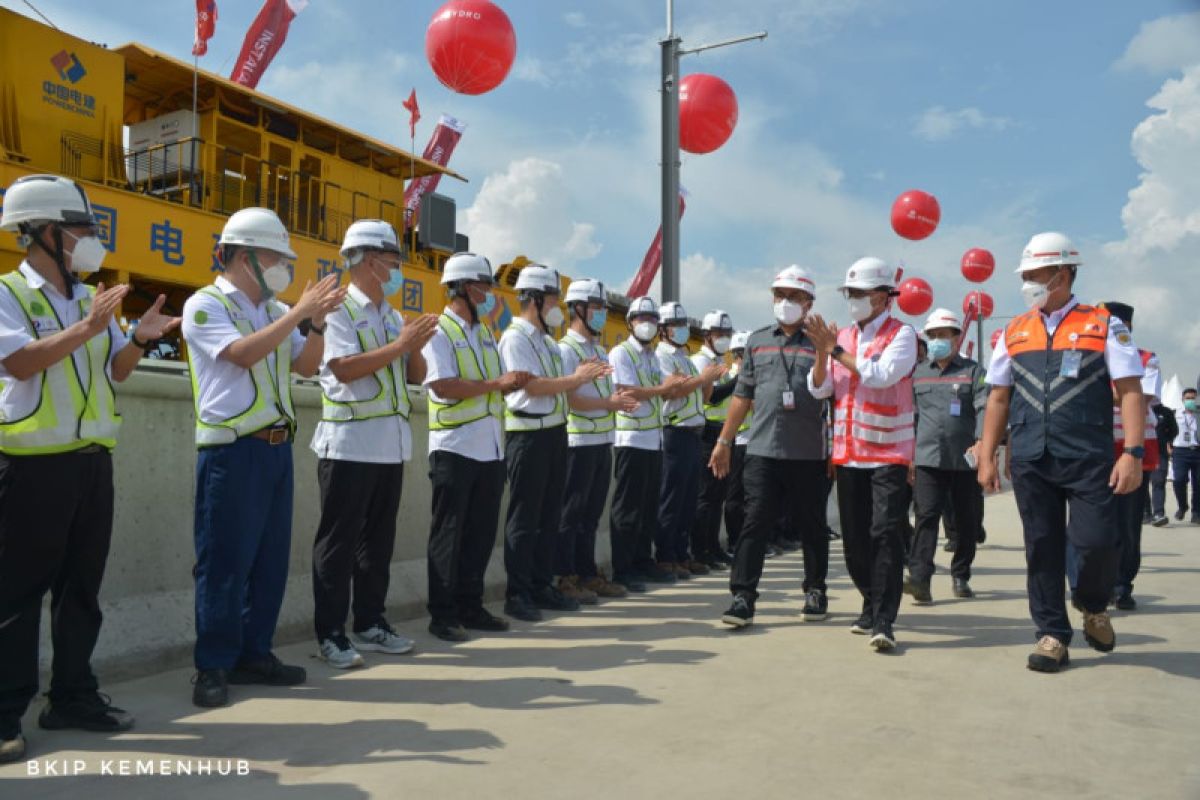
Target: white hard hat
(586, 290)
(717, 320)
(37, 199)
(942, 318)
(1049, 249)
(257, 227)
(738, 340)
(869, 273)
(372, 234)
(537, 278)
(794, 277)
(467, 267)
(641, 306)
(671, 313)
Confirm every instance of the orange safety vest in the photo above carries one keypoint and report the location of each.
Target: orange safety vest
(872, 425)
(1150, 462)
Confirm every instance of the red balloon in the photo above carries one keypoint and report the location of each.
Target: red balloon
(996, 336)
(978, 265)
(916, 296)
(471, 45)
(915, 214)
(708, 113)
(986, 304)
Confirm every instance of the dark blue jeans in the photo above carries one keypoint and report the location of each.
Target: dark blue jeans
(679, 494)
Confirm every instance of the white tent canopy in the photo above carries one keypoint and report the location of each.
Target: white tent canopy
(1172, 393)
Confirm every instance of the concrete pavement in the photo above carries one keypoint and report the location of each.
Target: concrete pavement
(652, 696)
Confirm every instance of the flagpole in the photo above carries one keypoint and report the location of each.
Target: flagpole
(195, 125)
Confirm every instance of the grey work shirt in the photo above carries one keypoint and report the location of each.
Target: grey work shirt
(775, 363)
(943, 435)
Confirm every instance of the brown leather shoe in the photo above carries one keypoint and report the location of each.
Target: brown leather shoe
(1050, 655)
(1098, 630)
(697, 567)
(603, 587)
(569, 586)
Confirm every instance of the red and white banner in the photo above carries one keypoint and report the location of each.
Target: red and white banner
(653, 259)
(441, 145)
(263, 40)
(206, 25)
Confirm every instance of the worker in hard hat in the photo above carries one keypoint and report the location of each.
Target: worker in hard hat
(362, 443)
(868, 372)
(243, 347)
(637, 450)
(717, 330)
(60, 351)
(948, 398)
(735, 490)
(535, 446)
(466, 381)
(591, 429)
(1052, 378)
(683, 425)
(784, 472)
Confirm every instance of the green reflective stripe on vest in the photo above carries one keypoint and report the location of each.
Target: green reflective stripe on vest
(720, 411)
(653, 420)
(456, 413)
(745, 426)
(392, 397)
(272, 392)
(554, 369)
(68, 415)
(579, 421)
(695, 399)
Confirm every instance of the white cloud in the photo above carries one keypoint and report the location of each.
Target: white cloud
(575, 19)
(938, 123)
(531, 70)
(524, 211)
(1164, 45)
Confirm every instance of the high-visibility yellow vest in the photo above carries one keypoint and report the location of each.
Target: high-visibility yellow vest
(456, 413)
(69, 415)
(692, 402)
(647, 378)
(581, 421)
(717, 412)
(272, 391)
(391, 398)
(518, 421)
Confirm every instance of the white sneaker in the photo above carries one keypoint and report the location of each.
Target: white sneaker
(337, 652)
(381, 638)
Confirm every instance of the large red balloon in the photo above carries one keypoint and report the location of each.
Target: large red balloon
(978, 265)
(708, 113)
(915, 214)
(471, 45)
(986, 304)
(916, 296)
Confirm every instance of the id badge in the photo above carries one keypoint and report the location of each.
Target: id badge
(1070, 364)
(956, 407)
(789, 400)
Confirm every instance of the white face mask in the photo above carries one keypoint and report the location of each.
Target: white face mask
(721, 345)
(277, 277)
(554, 317)
(860, 308)
(789, 312)
(644, 331)
(88, 254)
(1036, 295)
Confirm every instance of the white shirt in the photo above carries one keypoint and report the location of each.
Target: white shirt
(18, 399)
(570, 363)
(1151, 380)
(1187, 429)
(625, 374)
(671, 360)
(1121, 357)
(225, 389)
(478, 440)
(523, 349)
(382, 440)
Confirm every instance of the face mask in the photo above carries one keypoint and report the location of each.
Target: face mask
(789, 312)
(860, 308)
(1036, 294)
(1190, 405)
(679, 335)
(88, 254)
(484, 307)
(644, 331)
(939, 349)
(554, 317)
(394, 282)
(277, 278)
(721, 345)
(596, 319)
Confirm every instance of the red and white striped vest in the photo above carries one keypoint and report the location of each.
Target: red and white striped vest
(871, 425)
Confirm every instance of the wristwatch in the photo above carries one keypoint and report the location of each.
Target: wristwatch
(306, 326)
(725, 442)
(140, 345)
(837, 350)
(1138, 452)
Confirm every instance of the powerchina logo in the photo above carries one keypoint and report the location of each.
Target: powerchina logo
(64, 95)
(69, 67)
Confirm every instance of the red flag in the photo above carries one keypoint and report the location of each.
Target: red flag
(414, 113)
(263, 40)
(206, 25)
(441, 144)
(653, 260)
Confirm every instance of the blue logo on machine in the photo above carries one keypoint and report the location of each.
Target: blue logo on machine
(71, 71)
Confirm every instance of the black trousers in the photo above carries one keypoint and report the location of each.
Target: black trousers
(706, 527)
(589, 469)
(1158, 486)
(462, 533)
(1130, 510)
(537, 475)
(1185, 463)
(680, 489)
(776, 486)
(735, 497)
(633, 516)
(871, 503)
(354, 542)
(933, 490)
(1045, 489)
(55, 527)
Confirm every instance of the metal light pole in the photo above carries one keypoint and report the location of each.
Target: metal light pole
(671, 53)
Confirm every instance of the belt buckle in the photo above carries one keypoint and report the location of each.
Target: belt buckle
(277, 436)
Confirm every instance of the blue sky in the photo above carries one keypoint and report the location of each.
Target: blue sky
(1019, 116)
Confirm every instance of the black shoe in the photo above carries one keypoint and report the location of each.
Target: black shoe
(657, 574)
(12, 743)
(1147, 518)
(480, 619)
(210, 688)
(88, 712)
(520, 608)
(632, 582)
(816, 606)
(1125, 602)
(715, 564)
(962, 589)
(832, 534)
(772, 552)
(882, 638)
(552, 599)
(740, 614)
(448, 631)
(267, 671)
(949, 546)
(1160, 521)
(1179, 514)
(919, 591)
(864, 624)
(981, 537)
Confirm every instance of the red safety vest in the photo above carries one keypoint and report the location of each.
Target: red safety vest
(1150, 462)
(871, 425)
